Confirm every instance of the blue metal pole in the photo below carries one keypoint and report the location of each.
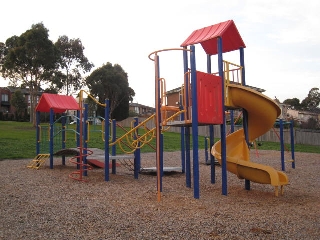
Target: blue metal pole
(195, 124)
(242, 65)
(292, 144)
(106, 140)
(113, 148)
(51, 137)
(85, 140)
(223, 125)
(211, 134)
(244, 111)
(63, 144)
(38, 133)
(283, 168)
(182, 116)
(188, 157)
(78, 128)
(137, 156)
(159, 138)
(161, 160)
(183, 150)
(232, 120)
(206, 150)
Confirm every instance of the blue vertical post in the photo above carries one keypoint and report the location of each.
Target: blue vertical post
(182, 116)
(292, 144)
(137, 156)
(232, 120)
(212, 158)
(51, 137)
(244, 111)
(188, 156)
(159, 140)
(183, 149)
(211, 134)
(78, 137)
(38, 133)
(161, 159)
(113, 148)
(106, 141)
(85, 140)
(243, 75)
(78, 128)
(182, 143)
(206, 150)
(195, 143)
(63, 144)
(223, 125)
(283, 168)
(245, 128)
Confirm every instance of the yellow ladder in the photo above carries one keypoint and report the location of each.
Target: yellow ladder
(38, 161)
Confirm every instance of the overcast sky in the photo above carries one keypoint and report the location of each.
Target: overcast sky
(282, 37)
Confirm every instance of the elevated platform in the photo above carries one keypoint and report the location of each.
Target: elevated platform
(187, 123)
(165, 169)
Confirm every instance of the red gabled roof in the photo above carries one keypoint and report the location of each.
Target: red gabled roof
(231, 39)
(59, 103)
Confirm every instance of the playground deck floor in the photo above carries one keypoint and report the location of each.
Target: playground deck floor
(47, 204)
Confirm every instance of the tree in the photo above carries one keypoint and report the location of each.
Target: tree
(2, 53)
(72, 63)
(293, 102)
(19, 102)
(311, 123)
(311, 102)
(111, 82)
(29, 59)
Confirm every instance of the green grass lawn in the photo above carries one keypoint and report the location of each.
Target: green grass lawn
(18, 140)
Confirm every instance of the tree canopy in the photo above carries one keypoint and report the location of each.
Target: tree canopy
(72, 63)
(111, 82)
(293, 102)
(310, 103)
(27, 59)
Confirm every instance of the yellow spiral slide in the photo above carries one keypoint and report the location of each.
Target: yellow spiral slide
(262, 113)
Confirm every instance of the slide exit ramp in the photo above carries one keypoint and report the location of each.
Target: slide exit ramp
(262, 113)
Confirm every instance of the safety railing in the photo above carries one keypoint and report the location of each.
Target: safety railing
(232, 74)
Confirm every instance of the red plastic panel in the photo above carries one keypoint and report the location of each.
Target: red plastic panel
(209, 95)
(59, 103)
(207, 37)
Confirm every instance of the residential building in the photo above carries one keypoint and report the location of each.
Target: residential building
(141, 110)
(302, 116)
(6, 96)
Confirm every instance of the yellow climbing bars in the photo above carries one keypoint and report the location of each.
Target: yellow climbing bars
(37, 162)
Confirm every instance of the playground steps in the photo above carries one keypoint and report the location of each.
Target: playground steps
(37, 162)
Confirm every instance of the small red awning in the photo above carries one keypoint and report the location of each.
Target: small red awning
(207, 37)
(59, 103)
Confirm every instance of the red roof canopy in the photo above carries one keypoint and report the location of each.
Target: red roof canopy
(59, 103)
(231, 39)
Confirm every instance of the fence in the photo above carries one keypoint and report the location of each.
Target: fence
(301, 136)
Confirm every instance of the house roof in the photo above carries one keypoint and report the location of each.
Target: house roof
(23, 90)
(59, 103)
(207, 37)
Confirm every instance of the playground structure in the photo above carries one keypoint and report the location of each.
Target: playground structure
(52, 138)
(205, 98)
